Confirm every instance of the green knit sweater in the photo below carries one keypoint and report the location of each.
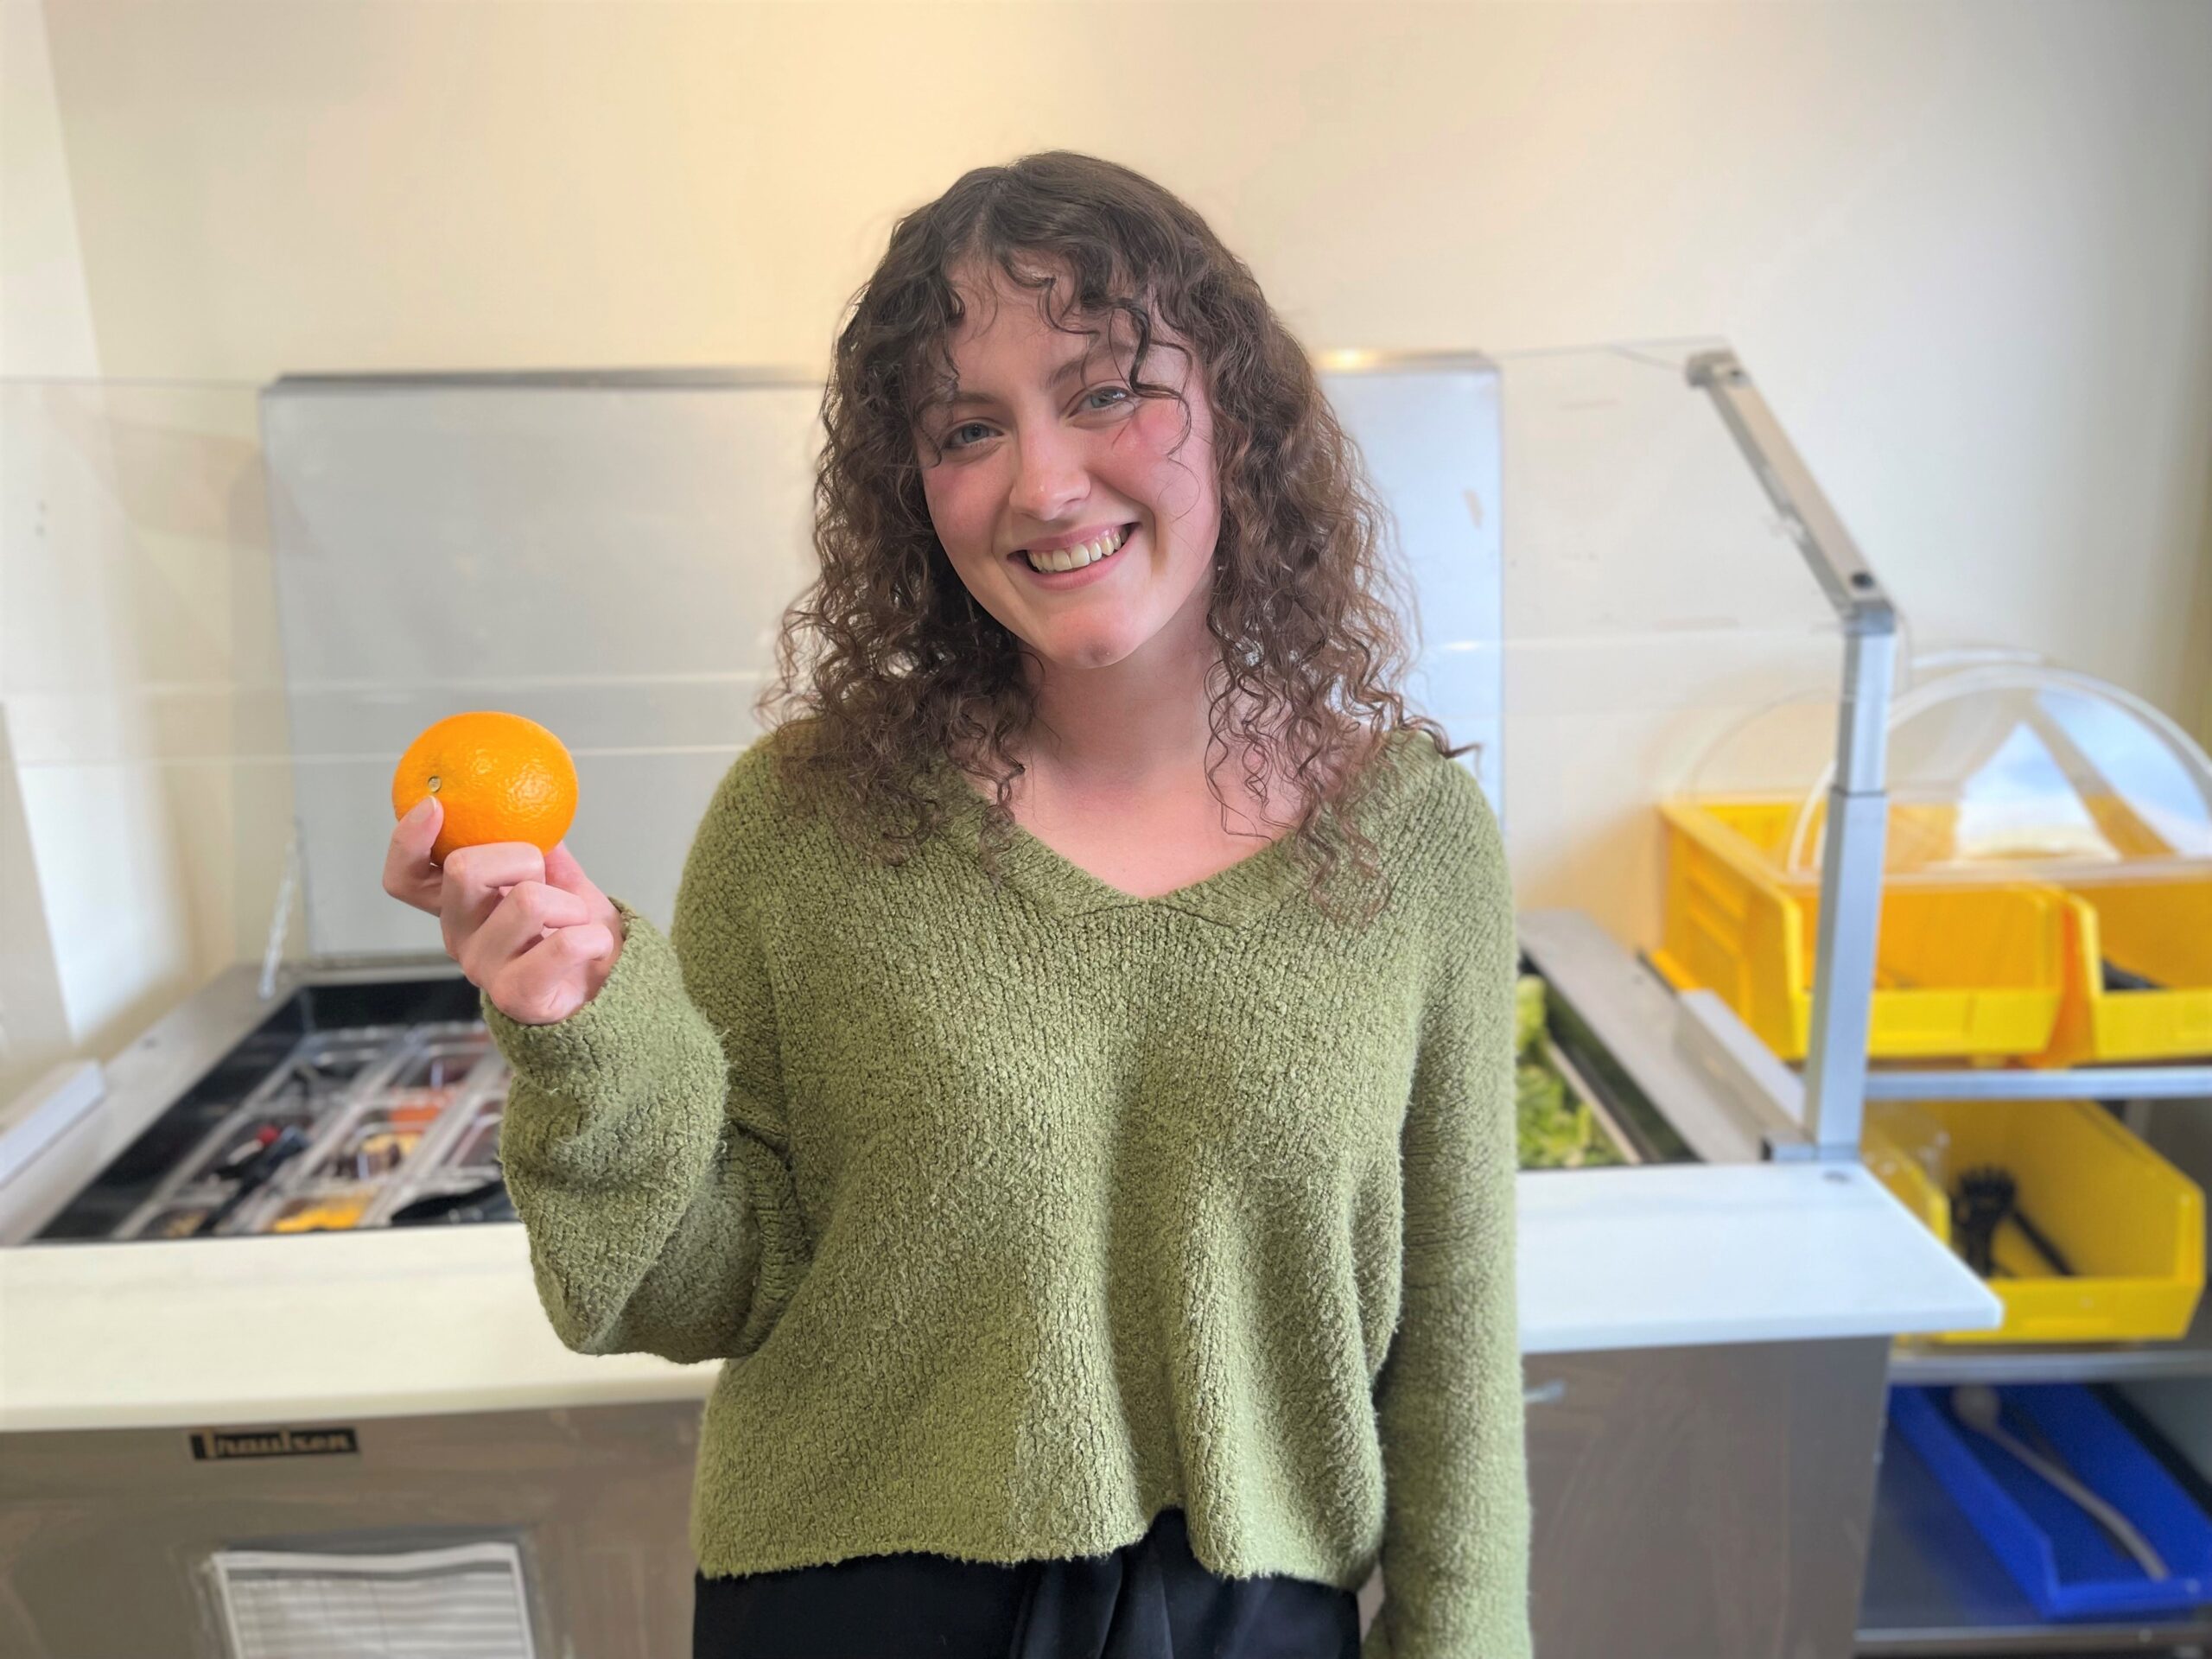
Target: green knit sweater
(1021, 1215)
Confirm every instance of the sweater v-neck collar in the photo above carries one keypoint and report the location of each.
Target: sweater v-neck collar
(1253, 888)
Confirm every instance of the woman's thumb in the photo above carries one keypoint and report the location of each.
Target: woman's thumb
(421, 820)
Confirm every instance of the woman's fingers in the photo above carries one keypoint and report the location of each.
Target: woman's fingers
(476, 879)
(555, 977)
(562, 871)
(530, 929)
(518, 922)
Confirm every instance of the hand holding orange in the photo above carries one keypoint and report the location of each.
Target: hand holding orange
(483, 799)
(497, 777)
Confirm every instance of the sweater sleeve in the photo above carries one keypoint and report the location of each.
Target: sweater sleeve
(1449, 1409)
(645, 1141)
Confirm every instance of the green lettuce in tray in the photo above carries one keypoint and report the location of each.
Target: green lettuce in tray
(1556, 1130)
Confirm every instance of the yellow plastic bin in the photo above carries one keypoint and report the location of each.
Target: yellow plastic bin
(2128, 1223)
(2156, 929)
(1966, 971)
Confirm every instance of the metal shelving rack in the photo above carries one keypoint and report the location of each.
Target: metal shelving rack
(1933, 1587)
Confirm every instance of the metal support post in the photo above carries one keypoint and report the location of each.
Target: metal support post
(1851, 898)
(1858, 805)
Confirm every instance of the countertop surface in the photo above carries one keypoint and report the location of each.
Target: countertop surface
(203, 1333)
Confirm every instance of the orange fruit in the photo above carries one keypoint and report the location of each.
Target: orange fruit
(499, 778)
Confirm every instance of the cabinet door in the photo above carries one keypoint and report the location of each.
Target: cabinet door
(1703, 1502)
(106, 1535)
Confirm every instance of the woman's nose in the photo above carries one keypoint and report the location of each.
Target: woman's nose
(1052, 478)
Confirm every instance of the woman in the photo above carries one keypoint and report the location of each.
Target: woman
(1105, 1212)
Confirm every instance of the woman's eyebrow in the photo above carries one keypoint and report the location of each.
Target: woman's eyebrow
(1067, 370)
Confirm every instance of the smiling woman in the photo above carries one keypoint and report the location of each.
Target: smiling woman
(1060, 473)
(1112, 1256)
(1050, 356)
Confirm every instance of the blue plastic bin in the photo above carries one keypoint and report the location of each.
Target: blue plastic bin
(2062, 1559)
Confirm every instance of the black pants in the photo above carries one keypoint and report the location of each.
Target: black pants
(1150, 1600)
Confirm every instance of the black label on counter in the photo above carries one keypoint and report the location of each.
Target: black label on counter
(213, 1444)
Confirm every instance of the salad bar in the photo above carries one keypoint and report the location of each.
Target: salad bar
(328, 1118)
(1560, 1123)
(323, 1120)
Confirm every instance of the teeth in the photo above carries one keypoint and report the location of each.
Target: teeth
(1074, 558)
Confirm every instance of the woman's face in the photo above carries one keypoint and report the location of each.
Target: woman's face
(1048, 444)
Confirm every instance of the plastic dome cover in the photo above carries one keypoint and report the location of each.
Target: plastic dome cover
(1996, 771)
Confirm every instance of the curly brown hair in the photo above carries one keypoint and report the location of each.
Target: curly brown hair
(906, 663)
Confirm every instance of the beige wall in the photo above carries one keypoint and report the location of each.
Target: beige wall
(1966, 249)
(67, 975)
(46, 317)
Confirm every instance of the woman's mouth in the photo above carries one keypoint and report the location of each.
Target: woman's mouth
(1070, 565)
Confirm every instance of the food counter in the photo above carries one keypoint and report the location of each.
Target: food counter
(1707, 1330)
(262, 1306)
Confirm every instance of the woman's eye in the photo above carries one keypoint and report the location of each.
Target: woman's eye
(952, 438)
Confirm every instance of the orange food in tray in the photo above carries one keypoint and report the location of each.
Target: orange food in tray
(321, 1215)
